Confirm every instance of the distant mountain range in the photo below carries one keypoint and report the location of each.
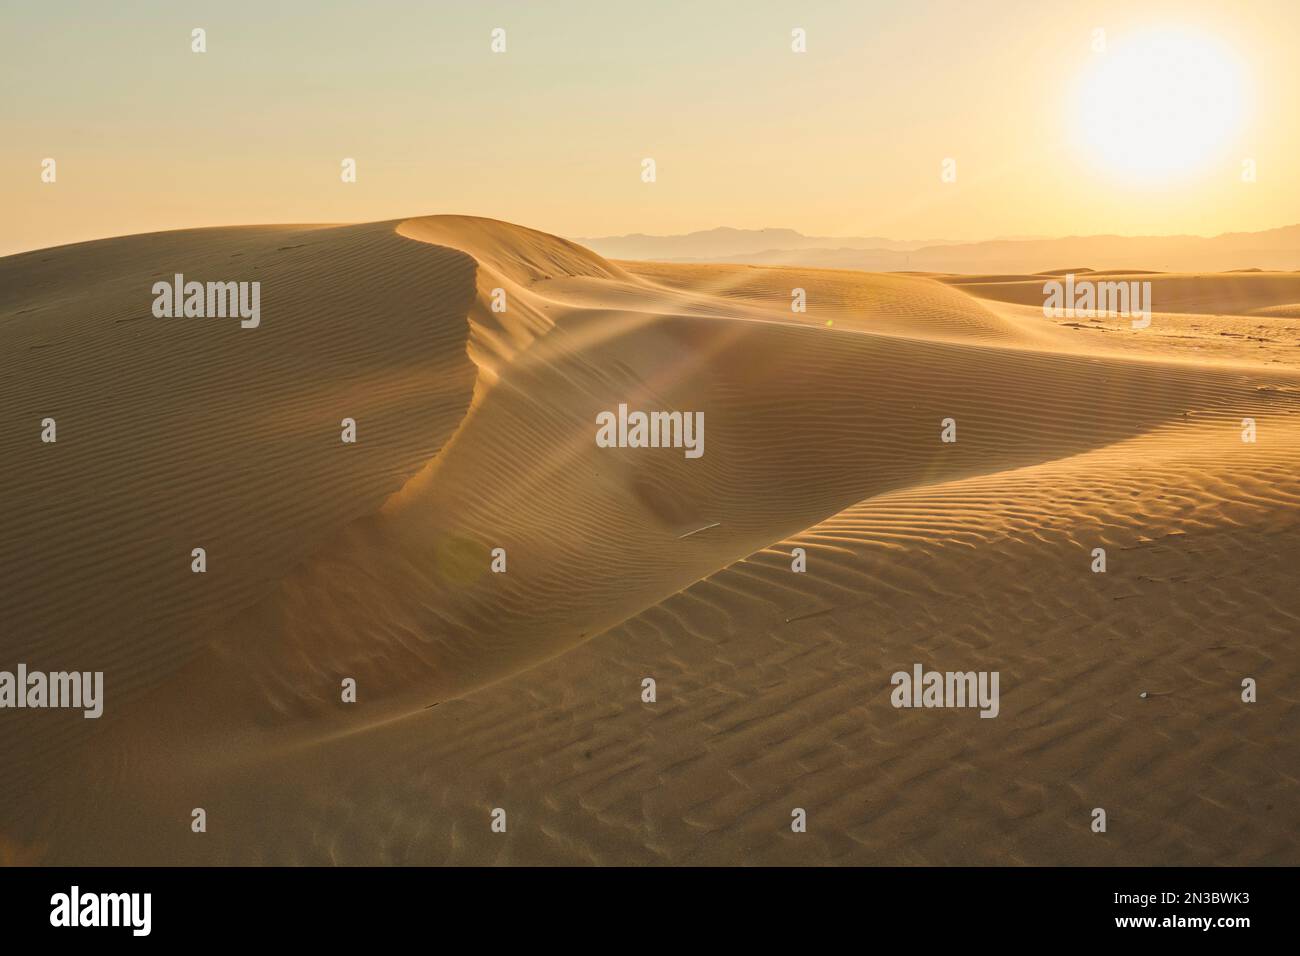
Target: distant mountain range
(724, 242)
(1271, 249)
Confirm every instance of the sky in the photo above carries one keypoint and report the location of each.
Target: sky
(1049, 135)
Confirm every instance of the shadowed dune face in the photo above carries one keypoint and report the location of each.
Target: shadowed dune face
(177, 433)
(477, 425)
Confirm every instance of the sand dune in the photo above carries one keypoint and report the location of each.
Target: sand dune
(522, 690)
(1274, 249)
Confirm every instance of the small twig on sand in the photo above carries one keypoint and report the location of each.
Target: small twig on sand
(698, 530)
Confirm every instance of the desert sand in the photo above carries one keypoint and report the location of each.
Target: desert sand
(1273, 249)
(523, 690)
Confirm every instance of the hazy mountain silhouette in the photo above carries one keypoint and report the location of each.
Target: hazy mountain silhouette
(1270, 249)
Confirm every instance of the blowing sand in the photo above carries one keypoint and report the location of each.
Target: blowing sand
(523, 690)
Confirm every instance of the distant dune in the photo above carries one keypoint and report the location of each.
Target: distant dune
(523, 690)
(1275, 249)
(716, 245)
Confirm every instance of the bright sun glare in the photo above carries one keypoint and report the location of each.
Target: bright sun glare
(1160, 104)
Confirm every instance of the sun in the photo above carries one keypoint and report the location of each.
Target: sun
(1159, 105)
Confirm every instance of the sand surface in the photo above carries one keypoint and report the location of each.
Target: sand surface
(522, 691)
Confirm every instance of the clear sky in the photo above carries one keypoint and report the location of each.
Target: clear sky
(1050, 137)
